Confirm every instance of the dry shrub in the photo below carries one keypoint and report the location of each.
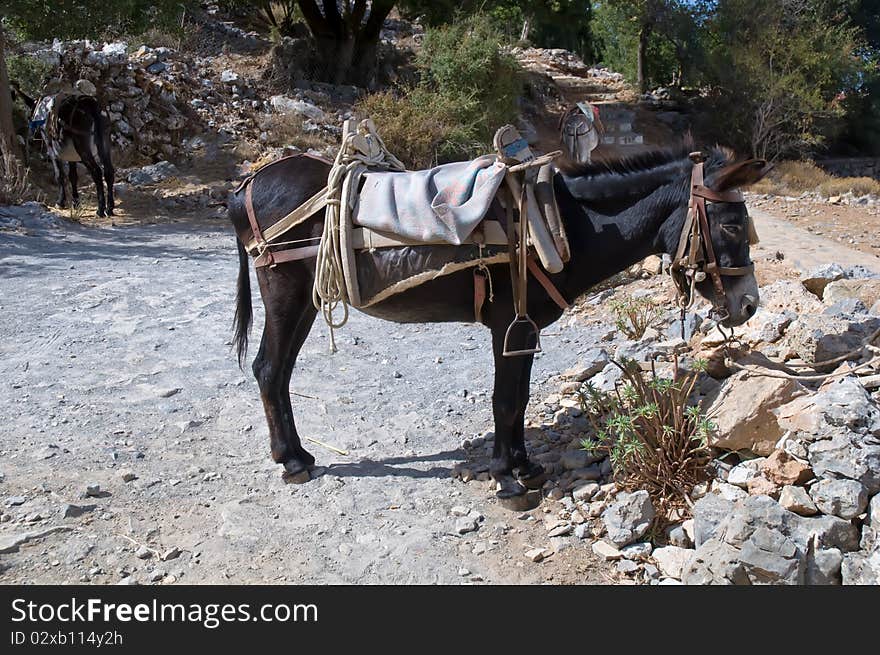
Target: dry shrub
(793, 178)
(656, 440)
(859, 186)
(14, 185)
(289, 130)
(419, 127)
(633, 316)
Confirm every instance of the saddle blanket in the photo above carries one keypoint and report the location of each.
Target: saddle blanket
(439, 205)
(42, 110)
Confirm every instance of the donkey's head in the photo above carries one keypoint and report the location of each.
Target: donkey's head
(712, 256)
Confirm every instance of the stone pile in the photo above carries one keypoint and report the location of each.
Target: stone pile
(795, 497)
(145, 91)
(159, 102)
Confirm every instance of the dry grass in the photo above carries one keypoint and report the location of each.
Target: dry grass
(289, 130)
(655, 439)
(14, 186)
(792, 178)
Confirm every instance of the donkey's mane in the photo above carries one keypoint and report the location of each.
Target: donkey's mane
(633, 174)
(624, 165)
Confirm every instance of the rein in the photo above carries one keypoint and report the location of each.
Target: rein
(695, 257)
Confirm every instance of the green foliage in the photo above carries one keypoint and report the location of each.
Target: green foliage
(633, 316)
(29, 72)
(779, 67)
(72, 19)
(655, 439)
(861, 132)
(674, 40)
(552, 23)
(468, 88)
(465, 62)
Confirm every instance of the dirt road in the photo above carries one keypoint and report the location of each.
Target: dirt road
(116, 362)
(116, 365)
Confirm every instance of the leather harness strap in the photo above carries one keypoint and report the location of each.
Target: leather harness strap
(262, 246)
(282, 256)
(695, 255)
(548, 285)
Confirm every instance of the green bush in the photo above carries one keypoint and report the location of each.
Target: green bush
(29, 72)
(469, 87)
(655, 438)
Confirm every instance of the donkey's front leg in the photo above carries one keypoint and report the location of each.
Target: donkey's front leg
(530, 474)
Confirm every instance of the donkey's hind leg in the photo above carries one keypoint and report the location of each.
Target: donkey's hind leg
(73, 176)
(58, 167)
(286, 293)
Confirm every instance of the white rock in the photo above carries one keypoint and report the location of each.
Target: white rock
(729, 492)
(637, 551)
(606, 551)
(740, 475)
(671, 560)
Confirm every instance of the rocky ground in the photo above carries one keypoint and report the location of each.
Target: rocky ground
(135, 451)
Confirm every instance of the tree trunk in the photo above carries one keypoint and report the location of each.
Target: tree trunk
(346, 46)
(8, 141)
(526, 28)
(642, 83)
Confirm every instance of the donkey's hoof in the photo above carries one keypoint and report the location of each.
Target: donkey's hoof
(305, 457)
(508, 487)
(295, 472)
(532, 476)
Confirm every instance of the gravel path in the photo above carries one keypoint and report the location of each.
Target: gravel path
(806, 251)
(117, 374)
(117, 363)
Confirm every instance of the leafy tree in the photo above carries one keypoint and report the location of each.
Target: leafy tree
(779, 67)
(649, 41)
(8, 144)
(861, 133)
(73, 19)
(346, 32)
(545, 23)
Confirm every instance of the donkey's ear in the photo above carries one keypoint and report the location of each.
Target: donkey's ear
(740, 174)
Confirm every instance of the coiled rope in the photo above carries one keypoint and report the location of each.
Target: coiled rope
(361, 149)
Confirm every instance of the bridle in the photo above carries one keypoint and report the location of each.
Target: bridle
(695, 257)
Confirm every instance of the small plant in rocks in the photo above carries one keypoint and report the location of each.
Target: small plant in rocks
(633, 316)
(655, 438)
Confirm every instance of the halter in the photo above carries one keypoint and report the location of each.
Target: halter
(695, 257)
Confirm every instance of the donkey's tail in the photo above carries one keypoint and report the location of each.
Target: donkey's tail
(244, 312)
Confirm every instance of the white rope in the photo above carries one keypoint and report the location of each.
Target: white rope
(360, 150)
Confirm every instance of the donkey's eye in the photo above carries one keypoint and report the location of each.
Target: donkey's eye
(732, 228)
